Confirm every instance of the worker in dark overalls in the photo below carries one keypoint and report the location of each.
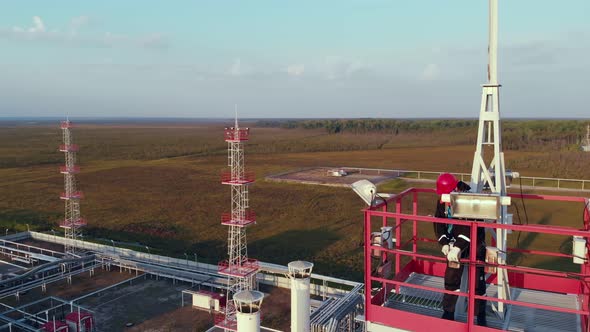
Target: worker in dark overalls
(455, 241)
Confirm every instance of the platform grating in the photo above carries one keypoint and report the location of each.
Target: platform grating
(519, 318)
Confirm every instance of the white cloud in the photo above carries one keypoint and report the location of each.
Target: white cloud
(37, 28)
(38, 25)
(337, 67)
(112, 39)
(38, 32)
(295, 69)
(79, 21)
(236, 67)
(154, 40)
(430, 72)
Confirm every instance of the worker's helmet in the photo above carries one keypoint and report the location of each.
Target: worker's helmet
(445, 183)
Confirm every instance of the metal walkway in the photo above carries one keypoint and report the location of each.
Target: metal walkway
(519, 318)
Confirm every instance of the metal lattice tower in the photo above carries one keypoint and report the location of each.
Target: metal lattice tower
(587, 146)
(490, 134)
(239, 269)
(72, 221)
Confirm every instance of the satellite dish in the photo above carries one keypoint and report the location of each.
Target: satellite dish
(366, 190)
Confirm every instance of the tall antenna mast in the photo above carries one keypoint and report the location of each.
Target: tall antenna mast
(489, 134)
(236, 118)
(72, 221)
(239, 269)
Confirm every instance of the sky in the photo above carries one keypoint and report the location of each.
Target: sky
(286, 59)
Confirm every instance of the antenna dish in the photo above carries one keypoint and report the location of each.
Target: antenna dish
(366, 190)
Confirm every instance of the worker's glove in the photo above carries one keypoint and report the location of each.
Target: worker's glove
(445, 249)
(453, 255)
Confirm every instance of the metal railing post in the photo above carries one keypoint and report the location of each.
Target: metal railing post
(367, 264)
(471, 280)
(415, 224)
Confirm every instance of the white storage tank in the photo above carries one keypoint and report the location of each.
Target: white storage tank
(248, 304)
(300, 273)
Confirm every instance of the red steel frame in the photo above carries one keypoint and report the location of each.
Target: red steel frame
(247, 177)
(519, 276)
(242, 134)
(249, 218)
(69, 148)
(249, 267)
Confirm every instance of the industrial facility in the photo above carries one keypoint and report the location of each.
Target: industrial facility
(53, 282)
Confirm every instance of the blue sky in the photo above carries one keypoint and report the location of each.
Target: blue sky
(362, 58)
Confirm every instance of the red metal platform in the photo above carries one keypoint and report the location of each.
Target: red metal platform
(69, 148)
(221, 322)
(247, 177)
(75, 195)
(69, 170)
(77, 223)
(233, 135)
(410, 298)
(249, 267)
(66, 124)
(249, 218)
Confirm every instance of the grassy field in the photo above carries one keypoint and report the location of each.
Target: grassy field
(159, 185)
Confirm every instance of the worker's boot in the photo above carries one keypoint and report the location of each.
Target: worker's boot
(481, 314)
(448, 315)
(481, 320)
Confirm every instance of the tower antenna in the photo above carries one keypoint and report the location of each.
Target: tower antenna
(72, 221)
(239, 269)
(490, 134)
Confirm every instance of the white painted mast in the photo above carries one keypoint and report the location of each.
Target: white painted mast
(490, 134)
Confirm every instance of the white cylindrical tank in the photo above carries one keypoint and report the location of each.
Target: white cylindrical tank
(247, 304)
(299, 273)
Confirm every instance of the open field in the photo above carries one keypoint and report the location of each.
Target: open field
(319, 175)
(160, 186)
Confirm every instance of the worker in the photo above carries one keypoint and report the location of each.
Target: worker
(455, 241)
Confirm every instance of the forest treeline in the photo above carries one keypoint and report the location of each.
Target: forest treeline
(516, 134)
(361, 126)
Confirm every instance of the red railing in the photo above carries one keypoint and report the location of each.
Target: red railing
(66, 124)
(247, 177)
(233, 135)
(76, 223)
(69, 148)
(220, 321)
(65, 169)
(249, 218)
(523, 277)
(247, 268)
(74, 195)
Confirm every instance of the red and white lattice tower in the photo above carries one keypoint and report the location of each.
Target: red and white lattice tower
(240, 270)
(72, 221)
